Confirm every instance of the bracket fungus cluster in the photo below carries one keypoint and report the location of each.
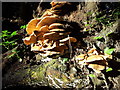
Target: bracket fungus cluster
(95, 60)
(46, 34)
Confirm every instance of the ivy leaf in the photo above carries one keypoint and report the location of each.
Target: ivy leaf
(7, 42)
(109, 51)
(97, 37)
(65, 60)
(86, 24)
(109, 33)
(4, 35)
(23, 26)
(5, 32)
(91, 75)
(109, 69)
(14, 33)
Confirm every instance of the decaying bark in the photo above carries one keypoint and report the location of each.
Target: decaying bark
(52, 73)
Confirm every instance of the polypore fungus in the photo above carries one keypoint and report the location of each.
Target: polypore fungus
(32, 25)
(96, 62)
(68, 39)
(54, 3)
(47, 20)
(30, 39)
(96, 67)
(55, 26)
(35, 47)
(94, 59)
(47, 36)
(81, 58)
(93, 51)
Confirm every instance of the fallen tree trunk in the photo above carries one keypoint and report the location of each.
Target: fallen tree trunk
(52, 73)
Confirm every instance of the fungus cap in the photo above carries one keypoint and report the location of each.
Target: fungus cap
(32, 25)
(30, 39)
(57, 30)
(81, 56)
(48, 46)
(53, 36)
(66, 40)
(35, 47)
(53, 3)
(64, 33)
(47, 13)
(94, 58)
(105, 56)
(47, 20)
(81, 59)
(55, 26)
(92, 51)
(97, 68)
(60, 49)
(44, 29)
(48, 53)
(50, 35)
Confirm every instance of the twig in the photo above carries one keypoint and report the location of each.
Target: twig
(70, 48)
(105, 82)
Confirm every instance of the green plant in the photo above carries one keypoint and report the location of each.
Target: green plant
(89, 13)
(14, 53)
(91, 75)
(23, 27)
(109, 51)
(108, 19)
(65, 60)
(109, 33)
(7, 41)
(97, 37)
(109, 69)
(10, 43)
